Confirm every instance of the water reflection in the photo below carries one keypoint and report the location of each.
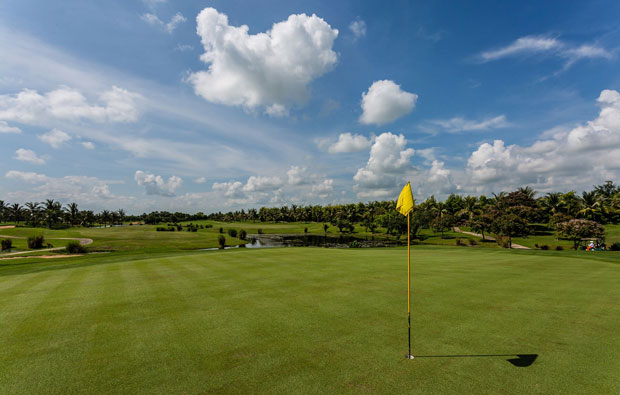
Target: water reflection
(341, 241)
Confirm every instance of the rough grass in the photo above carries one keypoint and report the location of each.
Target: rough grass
(311, 320)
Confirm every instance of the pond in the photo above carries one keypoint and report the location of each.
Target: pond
(303, 240)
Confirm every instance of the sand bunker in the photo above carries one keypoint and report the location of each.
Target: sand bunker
(7, 227)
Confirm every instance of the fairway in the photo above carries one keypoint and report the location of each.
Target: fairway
(311, 321)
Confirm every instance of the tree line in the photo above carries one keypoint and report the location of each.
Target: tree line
(506, 213)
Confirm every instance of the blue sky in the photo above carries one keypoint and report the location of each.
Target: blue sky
(169, 105)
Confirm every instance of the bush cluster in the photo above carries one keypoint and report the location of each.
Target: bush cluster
(7, 244)
(355, 244)
(615, 246)
(164, 229)
(221, 240)
(460, 242)
(243, 234)
(503, 241)
(191, 228)
(74, 247)
(232, 232)
(36, 242)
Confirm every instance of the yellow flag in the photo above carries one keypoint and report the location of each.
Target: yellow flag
(405, 200)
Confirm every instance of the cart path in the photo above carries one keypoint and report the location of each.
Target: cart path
(518, 246)
(82, 241)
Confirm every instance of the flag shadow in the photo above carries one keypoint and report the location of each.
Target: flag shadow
(521, 360)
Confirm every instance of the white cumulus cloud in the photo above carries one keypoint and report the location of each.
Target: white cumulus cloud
(323, 189)
(55, 138)
(576, 158)
(26, 155)
(348, 142)
(89, 191)
(298, 175)
(269, 70)
(88, 144)
(155, 184)
(229, 188)
(262, 184)
(385, 102)
(31, 107)
(200, 180)
(30, 177)
(386, 168)
(6, 128)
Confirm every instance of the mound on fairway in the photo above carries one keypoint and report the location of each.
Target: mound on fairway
(312, 321)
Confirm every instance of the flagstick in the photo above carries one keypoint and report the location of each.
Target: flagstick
(409, 355)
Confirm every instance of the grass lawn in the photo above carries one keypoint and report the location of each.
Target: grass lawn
(311, 320)
(129, 238)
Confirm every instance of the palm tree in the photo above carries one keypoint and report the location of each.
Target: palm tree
(33, 209)
(571, 204)
(527, 191)
(53, 210)
(591, 206)
(3, 210)
(498, 199)
(471, 207)
(88, 218)
(607, 190)
(121, 216)
(73, 213)
(553, 202)
(104, 217)
(16, 212)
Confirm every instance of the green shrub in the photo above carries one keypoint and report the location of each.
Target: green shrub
(503, 241)
(260, 231)
(36, 242)
(559, 248)
(7, 244)
(208, 226)
(536, 245)
(459, 242)
(232, 232)
(74, 247)
(615, 246)
(243, 234)
(221, 241)
(544, 247)
(221, 230)
(355, 244)
(472, 242)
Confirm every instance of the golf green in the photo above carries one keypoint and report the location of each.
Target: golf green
(312, 320)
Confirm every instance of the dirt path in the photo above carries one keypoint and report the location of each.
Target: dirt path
(518, 246)
(83, 242)
(43, 256)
